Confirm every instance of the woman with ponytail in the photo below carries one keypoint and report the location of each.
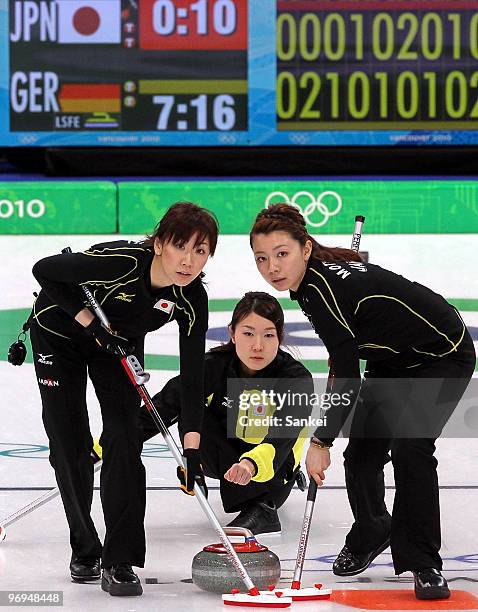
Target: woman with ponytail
(256, 466)
(406, 333)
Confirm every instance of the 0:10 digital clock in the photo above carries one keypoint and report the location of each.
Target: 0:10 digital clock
(223, 18)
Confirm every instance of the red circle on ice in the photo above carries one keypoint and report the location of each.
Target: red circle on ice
(86, 20)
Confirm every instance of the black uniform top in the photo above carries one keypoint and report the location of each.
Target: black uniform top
(276, 449)
(362, 311)
(118, 274)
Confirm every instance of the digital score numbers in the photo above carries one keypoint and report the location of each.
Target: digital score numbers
(153, 65)
(210, 103)
(368, 65)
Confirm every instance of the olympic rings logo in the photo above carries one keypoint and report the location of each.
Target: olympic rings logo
(299, 139)
(227, 138)
(28, 139)
(310, 205)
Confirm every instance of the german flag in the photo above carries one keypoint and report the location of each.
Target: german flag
(90, 98)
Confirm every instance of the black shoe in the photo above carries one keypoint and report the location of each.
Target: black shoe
(430, 584)
(260, 518)
(121, 580)
(348, 563)
(84, 570)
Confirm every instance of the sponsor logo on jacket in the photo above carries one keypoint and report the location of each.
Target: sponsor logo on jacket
(125, 297)
(44, 359)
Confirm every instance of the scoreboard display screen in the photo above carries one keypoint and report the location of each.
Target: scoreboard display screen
(377, 65)
(238, 72)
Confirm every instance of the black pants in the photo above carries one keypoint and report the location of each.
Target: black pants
(414, 525)
(218, 454)
(61, 367)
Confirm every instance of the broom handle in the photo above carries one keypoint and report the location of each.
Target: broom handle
(312, 490)
(137, 376)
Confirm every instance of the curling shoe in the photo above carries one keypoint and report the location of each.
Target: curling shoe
(84, 569)
(121, 580)
(259, 517)
(430, 584)
(348, 563)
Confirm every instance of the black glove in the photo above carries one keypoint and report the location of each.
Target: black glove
(107, 339)
(193, 473)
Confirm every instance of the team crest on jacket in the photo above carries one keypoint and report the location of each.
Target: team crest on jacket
(164, 305)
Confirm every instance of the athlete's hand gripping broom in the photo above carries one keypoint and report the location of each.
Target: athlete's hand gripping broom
(316, 592)
(138, 378)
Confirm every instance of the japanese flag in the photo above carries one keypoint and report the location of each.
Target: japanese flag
(89, 21)
(258, 410)
(164, 305)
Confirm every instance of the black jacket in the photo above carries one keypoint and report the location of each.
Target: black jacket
(362, 311)
(118, 274)
(273, 448)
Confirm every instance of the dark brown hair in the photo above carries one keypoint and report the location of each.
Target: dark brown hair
(181, 221)
(287, 218)
(261, 304)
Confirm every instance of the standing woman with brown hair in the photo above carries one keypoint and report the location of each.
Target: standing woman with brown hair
(141, 287)
(408, 334)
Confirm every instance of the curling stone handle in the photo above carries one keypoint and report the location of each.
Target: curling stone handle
(239, 531)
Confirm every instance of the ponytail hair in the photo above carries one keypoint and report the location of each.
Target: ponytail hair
(286, 218)
(261, 304)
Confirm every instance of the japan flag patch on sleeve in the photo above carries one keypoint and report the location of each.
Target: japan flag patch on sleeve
(165, 305)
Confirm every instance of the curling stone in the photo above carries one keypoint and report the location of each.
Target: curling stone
(213, 571)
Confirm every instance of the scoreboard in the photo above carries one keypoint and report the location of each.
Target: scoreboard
(377, 65)
(111, 66)
(238, 72)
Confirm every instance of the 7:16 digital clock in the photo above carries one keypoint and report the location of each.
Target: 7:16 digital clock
(193, 105)
(201, 113)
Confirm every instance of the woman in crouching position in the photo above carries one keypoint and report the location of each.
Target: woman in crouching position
(256, 465)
